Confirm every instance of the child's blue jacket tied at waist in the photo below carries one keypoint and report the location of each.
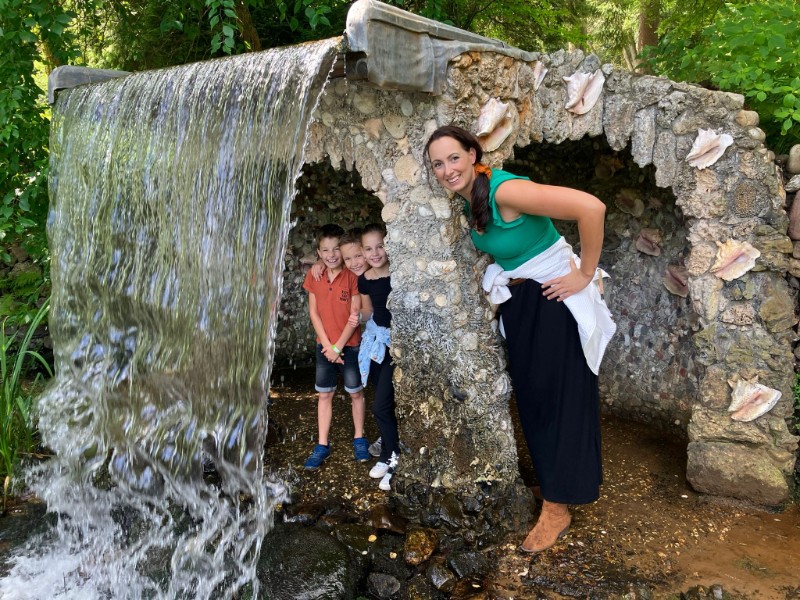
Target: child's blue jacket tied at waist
(374, 342)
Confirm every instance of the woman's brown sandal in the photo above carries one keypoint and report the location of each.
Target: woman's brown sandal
(553, 524)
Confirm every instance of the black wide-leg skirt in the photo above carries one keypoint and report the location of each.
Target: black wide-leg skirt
(556, 393)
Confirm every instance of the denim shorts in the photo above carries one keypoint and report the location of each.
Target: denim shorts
(328, 372)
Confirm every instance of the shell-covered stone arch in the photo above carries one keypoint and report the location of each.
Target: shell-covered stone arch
(451, 385)
(710, 152)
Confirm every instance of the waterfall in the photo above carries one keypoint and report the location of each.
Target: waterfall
(170, 196)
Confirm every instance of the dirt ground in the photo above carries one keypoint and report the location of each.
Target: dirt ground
(649, 529)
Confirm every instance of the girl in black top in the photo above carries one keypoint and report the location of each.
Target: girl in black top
(374, 286)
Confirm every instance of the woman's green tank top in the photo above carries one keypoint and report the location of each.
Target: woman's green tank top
(514, 243)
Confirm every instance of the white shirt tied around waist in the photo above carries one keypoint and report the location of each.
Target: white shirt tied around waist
(595, 325)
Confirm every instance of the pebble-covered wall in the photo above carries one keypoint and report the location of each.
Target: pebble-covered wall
(732, 327)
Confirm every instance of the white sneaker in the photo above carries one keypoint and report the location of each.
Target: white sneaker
(386, 482)
(379, 470)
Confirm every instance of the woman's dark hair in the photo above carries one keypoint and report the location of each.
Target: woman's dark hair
(479, 199)
(374, 228)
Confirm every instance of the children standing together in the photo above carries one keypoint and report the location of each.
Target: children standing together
(350, 285)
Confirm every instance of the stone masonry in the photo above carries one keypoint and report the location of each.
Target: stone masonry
(451, 384)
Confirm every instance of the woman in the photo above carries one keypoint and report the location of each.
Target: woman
(555, 321)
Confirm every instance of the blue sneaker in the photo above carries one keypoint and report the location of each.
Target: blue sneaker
(361, 449)
(318, 456)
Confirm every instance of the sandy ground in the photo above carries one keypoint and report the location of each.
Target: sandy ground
(649, 529)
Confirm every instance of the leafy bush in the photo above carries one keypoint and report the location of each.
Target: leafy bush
(29, 30)
(752, 49)
(17, 423)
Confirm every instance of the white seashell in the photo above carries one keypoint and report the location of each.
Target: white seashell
(583, 90)
(751, 399)
(492, 114)
(539, 71)
(707, 149)
(497, 137)
(676, 280)
(734, 259)
(649, 242)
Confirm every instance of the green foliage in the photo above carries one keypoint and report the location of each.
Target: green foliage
(751, 48)
(31, 32)
(22, 290)
(526, 24)
(312, 12)
(611, 27)
(224, 24)
(17, 423)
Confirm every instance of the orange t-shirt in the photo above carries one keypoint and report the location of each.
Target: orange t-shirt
(333, 303)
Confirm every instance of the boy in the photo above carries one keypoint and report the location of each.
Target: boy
(352, 254)
(331, 301)
(354, 259)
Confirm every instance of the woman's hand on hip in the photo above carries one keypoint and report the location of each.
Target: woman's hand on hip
(561, 288)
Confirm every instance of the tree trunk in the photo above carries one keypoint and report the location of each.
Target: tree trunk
(649, 19)
(51, 62)
(249, 33)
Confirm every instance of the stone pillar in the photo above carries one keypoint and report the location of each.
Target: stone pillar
(450, 381)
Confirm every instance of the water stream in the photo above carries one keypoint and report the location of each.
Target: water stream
(170, 195)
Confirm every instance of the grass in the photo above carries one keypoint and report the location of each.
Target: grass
(17, 423)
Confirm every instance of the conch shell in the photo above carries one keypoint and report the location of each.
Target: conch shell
(734, 259)
(492, 114)
(676, 280)
(707, 149)
(539, 71)
(649, 242)
(629, 201)
(583, 90)
(751, 399)
(495, 124)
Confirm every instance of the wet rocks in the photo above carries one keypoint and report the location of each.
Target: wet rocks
(382, 585)
(305, 562)
(442, 578)
(793, 163)
(383, 518)
(419, 545)
(306, 513)
(468, 564)
(701, 592)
